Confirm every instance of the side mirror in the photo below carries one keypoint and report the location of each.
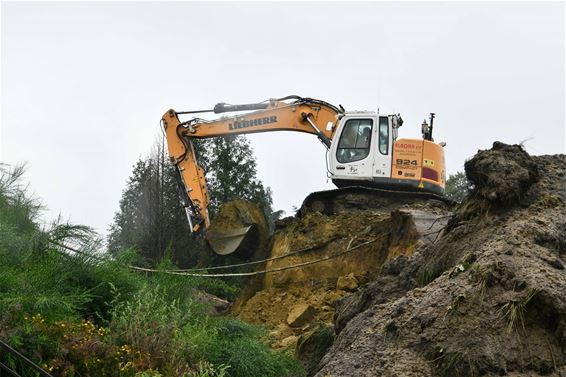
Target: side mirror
(397, 121)
(442, 144)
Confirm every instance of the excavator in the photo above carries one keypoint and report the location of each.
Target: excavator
(363, 152)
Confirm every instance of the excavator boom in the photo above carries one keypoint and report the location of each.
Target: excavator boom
(300, 115)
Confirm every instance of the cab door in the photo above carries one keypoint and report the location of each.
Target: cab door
(352, 153)
(383, 148)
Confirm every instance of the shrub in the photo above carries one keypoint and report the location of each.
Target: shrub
(80, 313)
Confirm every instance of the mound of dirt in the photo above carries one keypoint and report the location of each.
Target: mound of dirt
(487, 298)
(501, 174)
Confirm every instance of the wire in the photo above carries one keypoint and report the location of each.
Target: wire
(259, 261)
(279, 269)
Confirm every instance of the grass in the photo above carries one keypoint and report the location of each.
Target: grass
(78, 315)
(478, 277)
(426, 276)
(313, 345)
(513, 312)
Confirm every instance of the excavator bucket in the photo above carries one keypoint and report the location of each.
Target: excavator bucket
(240, 229)
(224, 243)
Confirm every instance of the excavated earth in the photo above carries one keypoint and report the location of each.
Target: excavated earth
(339, 250)
(486, 298)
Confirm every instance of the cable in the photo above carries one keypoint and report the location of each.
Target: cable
(279, 269)
(259, 261)
(181, 273)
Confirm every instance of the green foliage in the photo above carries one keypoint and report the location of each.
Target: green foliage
(450, 364)
(18, 210)
(457, 187)
(231, 173)
(238, 344)
(150, 218)
(152, 325)
(184, 285)
(550, 201)
(82, 313)
(427, 275)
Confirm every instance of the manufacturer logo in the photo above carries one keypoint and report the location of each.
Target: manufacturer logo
(252, 122)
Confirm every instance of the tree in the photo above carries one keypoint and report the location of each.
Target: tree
(231, 173)
(150, 217)
(457, 187)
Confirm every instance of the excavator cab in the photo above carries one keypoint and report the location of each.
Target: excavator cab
(362, 150)
(368, 153)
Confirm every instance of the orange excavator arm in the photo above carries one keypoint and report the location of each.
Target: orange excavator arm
(290, 113)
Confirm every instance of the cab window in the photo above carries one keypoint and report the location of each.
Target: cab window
(355, 140)
(384, 135)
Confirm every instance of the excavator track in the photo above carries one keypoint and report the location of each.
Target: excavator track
(330, 202)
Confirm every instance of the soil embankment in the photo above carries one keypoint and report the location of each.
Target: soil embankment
(488, 298)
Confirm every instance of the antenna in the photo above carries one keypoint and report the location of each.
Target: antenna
(430, 131)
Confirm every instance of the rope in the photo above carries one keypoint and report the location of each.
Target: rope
(204, 268)
(182, 273)
(258, 261)
(279, 269)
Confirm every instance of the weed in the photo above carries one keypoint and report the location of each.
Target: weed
(426, 276)
(514, 311)
(448, 363)
(478, 277)
(206, 369)
(455, 304)
(311, 347)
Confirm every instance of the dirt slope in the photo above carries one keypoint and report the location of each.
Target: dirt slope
(376, 232)
(487, 298)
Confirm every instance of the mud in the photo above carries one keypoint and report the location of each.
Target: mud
(485, 298)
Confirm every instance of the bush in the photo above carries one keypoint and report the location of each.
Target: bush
(82, 314)
(239, 345)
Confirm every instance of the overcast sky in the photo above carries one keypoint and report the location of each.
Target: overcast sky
(84, 85)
